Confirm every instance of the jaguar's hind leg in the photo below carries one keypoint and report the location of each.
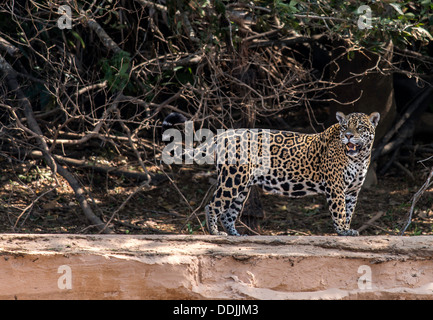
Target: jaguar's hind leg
(225, 206)
(212, 217)
(228, 199)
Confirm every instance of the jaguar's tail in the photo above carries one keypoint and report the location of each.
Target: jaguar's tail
(172, 119)
(176, 151)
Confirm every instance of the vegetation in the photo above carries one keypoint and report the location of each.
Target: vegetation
(82, 106)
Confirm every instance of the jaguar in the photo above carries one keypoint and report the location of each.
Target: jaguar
(333, 162)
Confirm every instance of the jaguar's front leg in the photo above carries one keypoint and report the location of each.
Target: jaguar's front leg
(341, 217)
(351, 199)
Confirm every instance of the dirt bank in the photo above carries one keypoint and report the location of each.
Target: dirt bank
(203, 267)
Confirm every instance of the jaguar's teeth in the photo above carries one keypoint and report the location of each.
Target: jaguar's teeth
(351, 147)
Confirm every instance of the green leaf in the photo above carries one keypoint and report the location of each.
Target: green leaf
(397, 8)
(409, 15)
(423, 32)
(78, 37)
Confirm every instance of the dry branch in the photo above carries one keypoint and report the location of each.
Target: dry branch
(371, 221)
(35, 131)
(427, 184)
(413, 106)
(101, 33)
(9, 48)
(155, 179)
(280, 42)
(240, 66)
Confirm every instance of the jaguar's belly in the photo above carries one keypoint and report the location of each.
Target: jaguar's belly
(289, 187)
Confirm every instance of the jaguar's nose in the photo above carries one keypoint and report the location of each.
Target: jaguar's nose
(349, 135)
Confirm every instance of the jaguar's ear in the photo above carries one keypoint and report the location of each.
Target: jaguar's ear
(374, 118)
(341, 117)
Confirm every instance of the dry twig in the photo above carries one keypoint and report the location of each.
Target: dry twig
(427, 184)
(35, 131)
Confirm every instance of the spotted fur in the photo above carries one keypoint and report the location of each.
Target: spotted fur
(333, 162)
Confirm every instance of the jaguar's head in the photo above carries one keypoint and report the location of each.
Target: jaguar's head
(357, 132)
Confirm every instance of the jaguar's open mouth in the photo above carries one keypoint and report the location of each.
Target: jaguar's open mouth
(352, 148)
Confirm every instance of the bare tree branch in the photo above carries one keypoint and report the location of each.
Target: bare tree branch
(37, 133)
(427, 184)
